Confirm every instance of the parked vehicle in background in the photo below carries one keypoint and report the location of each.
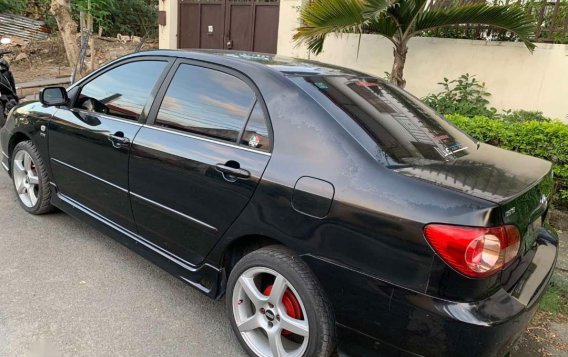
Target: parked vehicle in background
(327, 206)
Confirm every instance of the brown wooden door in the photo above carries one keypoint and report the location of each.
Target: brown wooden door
(244, 25)
(201, 24)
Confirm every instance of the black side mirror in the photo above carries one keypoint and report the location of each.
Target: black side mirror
(53, 96)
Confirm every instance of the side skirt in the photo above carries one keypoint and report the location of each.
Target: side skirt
(205, 278)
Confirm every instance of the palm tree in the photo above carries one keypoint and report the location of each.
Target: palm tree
(400, 20)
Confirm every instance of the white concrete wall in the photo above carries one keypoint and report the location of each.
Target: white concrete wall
(168, 34)
(515, 78)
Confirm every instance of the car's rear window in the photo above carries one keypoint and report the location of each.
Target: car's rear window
(408, 131)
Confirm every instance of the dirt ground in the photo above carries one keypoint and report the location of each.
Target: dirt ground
(546, 336)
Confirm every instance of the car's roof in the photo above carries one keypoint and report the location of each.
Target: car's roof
(283, 64)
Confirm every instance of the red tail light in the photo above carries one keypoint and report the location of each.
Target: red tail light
(474, 251)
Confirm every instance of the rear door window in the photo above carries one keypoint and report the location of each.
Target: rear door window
(206, 102)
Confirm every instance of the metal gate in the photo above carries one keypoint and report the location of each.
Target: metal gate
(246, 25)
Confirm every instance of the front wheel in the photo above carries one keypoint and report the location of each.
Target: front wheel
(277, 307)
(29, 175)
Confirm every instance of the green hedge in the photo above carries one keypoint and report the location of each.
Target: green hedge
(547, 140)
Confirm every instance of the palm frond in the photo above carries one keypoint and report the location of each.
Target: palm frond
(510, 18)
(407, 11)
(375, 9)
(323, 17)
(385, 26)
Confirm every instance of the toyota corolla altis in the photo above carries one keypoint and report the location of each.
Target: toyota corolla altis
(330, 209)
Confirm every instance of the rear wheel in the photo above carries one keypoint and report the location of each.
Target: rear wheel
(277, 307)
(30, 179)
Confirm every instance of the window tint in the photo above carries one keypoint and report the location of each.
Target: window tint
(256, 132)
(207, 102)
(408, 131)
(122, 91)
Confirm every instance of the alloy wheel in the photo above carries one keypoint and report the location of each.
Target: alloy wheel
(26, 178)
(270, 314)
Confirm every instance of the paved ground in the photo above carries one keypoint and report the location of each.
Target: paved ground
(68, 289)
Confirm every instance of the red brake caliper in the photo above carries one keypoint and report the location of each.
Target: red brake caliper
(291, 304)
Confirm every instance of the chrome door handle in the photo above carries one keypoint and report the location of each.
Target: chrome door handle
(232, 173)
(118, 140)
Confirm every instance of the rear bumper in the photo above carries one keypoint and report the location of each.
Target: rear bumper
(374, 316)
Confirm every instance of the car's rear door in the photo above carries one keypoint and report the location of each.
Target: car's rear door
(89, 143)
(198, 161)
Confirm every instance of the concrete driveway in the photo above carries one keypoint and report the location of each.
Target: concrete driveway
(68, 290)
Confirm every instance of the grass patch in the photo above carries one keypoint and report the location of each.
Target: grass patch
(555, 299)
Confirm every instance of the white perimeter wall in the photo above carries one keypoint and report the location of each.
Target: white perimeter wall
(168, 34)
(515, 78)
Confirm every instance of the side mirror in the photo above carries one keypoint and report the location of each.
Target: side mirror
(53, 96)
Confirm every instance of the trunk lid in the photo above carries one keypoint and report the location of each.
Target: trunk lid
(522, 185)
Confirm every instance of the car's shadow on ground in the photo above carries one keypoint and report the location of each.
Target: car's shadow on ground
(68, 288)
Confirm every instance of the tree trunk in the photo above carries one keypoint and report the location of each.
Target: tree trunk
(396, 76)
(61, 10)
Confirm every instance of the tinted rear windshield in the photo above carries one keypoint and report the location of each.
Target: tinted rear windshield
(408, 131)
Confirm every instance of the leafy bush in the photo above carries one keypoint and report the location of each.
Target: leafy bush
(13, 6)
(134, 17)
(465, 96)
(544, 139)
(523, 115)
(128, 17)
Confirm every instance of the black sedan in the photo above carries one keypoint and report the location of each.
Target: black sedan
(332, 210)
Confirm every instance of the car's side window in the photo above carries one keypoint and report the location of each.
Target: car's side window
(206, 102)
(256, 132)
(122, 91)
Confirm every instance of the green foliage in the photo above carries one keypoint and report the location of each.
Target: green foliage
(544, 11)
(99, 9)
(128, 17)
(555, 299)
(523, 115)
(544, 139)
(12, 6)
(134, 17)
(464, 95)
(467, 96)
(400, 20)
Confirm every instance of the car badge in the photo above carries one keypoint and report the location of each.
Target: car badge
(254, 141)
(510, 212)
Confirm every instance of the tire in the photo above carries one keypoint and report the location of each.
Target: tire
(30, 179)
(275, 274)
(2, 116)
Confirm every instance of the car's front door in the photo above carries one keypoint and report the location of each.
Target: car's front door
(197, 163)
(89, 143)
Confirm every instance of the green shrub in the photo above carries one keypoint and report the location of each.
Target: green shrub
(544, 139)
(128, 17)
(523, 115)
(13, 6)
(467, 96)
(464, 95)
